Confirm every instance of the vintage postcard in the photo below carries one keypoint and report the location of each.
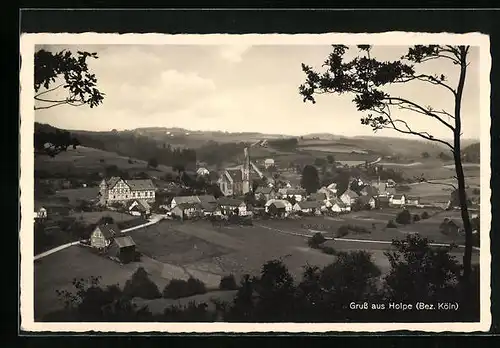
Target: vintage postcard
(255, 183)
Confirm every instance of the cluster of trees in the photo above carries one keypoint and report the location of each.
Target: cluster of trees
(289, 144)
(321, 295)
(52, 142)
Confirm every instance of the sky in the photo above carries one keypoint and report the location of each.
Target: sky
(244, 89)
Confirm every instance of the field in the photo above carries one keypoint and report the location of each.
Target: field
(83, 193)
(94, 216)
(179, 250)
(86, 159)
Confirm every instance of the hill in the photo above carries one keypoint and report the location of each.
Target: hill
(472, 153)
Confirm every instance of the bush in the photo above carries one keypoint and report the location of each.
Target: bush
(141, 286)
(416, 218)
(391, 224)
(476, 191)
(228, 283)
(329, 250)
(178, 288)
(316, 240)
(425, 215)
(404, 217)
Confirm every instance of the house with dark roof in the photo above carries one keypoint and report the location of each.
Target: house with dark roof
(40, 211)
(187, 210)
(183, 199)
(308, 207)
(230, 206)
(317, 196)
(449, 227)
(118, 190)
(139, 207)
(263, 192)
(278, 205)
(123, 248)
(208, 204)
(103, 235)
(367, 200)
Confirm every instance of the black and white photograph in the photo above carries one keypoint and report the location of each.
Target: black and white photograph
(253, 183)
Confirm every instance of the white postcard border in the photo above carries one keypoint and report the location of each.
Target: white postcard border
(27, 44)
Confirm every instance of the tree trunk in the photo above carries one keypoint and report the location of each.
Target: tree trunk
(467, 259)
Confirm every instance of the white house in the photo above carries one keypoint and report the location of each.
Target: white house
(349, 197)
(103, 235)
(268, 162)
(397, 200)
(412, 201)
(202, 171)
(40, 212)
(337, 206)
(332, 188)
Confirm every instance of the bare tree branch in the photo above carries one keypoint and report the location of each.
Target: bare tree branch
(423, 110)
(408, 130)
(429, 79)
(49, 90)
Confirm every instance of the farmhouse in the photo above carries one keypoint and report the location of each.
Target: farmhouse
(308, 207)
(139, 207)
(266, 193)
(123, 248)
(103, 235)
(383, 202)
(118, 190)
(349, 197)
(232, 205)
(368, 200)
(187, 210)
(397, 200)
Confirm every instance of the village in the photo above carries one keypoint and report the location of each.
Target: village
(247, 193)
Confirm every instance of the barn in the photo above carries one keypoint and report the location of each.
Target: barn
(123, 248)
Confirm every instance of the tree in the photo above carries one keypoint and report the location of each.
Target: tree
(365, 77)
(330, 159)
(70, 73)
(425, 154)
(141, 286)
(318, 161)
(404, 217)
(153, 162)
(421, 273)
(310, 179)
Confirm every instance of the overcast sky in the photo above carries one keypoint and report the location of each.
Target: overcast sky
(242, 88)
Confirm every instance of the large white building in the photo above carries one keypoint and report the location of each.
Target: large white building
(118, 190)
